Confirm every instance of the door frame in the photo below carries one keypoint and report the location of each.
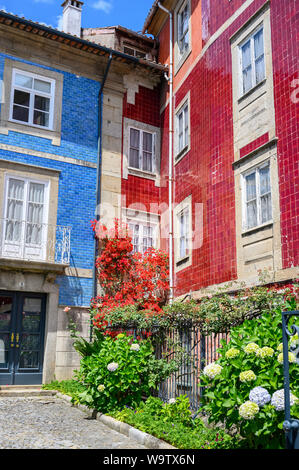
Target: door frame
(25, 377)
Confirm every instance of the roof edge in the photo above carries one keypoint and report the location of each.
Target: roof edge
(69, 37)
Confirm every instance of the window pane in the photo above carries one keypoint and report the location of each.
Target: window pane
(181, 130)
(41, 103)
(20, 114)
(260, 69)
(4, 350)
(41, 119)
(183, 29)
(250, 187)
(36, 192)
(134, 148)
(22, 98)
(266, 208)
(247, 79)
(5, 312)
(29, 360)
(251, 214)
(16, 189)
(265, 186)
(184, 217)
(140, 55)
(147, 162)
(134, 158)
(186, 125)
(147, 142)
(23, 80)
(134, 138)
(258, 44)
(35, 214)
(246, 57)
(40, 85)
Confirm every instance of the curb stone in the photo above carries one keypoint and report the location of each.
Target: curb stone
(141, 437)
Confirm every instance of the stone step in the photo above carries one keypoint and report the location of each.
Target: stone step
(16, 387)
(25, 391)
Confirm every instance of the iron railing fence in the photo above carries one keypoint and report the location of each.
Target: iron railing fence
(190, 348)
(30, 241)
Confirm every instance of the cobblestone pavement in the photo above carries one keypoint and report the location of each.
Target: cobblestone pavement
(50, 423)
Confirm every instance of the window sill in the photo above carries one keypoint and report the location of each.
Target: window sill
(141, 173)
(181, 60)
(182, 261)
(252, 90)
(181, 154)
(36, 131)
(256, 229)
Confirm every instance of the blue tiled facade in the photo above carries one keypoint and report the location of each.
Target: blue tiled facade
(77, 183)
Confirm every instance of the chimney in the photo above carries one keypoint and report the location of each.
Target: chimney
(71, 17)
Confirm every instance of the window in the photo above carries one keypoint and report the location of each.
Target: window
(252, 60)
(142, 150)
(184, 233)
(257, 197)
(182, 128)
(134, 52)
(143, 236)
(32, 99)
(183, 28)
(25, 213)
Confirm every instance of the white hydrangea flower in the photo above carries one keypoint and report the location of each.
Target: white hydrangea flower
(278, 400)
(260, 396)
(291, 356)
(247, 376)
(231, 353)
(112, 366)
(171, 401)
(248, 410)
(294, 341)
(101, 388)
(264, 352)
(135, 347)
(251, 348)
(212, 370)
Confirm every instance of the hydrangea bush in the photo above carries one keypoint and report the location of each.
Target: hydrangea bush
(244, 388)
(118, 372)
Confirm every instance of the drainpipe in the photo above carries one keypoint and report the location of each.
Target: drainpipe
(170, 171)
(99, 174)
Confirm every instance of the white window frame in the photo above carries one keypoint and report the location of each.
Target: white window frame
(255, 170)
(22, 243)
(140, 158)
(183, 7)
(142, 225)
(180, 152)
(184, 231)
(254, 83)
(182, 262)
(32, 93)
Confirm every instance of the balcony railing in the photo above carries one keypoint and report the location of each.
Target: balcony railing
(32, 241)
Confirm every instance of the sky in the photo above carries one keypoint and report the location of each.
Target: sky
(128, 13)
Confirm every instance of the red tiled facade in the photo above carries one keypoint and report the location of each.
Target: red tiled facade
(206, 171)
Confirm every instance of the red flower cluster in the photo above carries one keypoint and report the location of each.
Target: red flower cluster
(128, 278)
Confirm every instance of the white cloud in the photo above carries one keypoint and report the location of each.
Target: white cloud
(104, 5)
(59, 22)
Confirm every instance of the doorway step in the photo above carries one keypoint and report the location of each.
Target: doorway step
(25, 391)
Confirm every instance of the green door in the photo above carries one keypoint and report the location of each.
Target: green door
(22, 323)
